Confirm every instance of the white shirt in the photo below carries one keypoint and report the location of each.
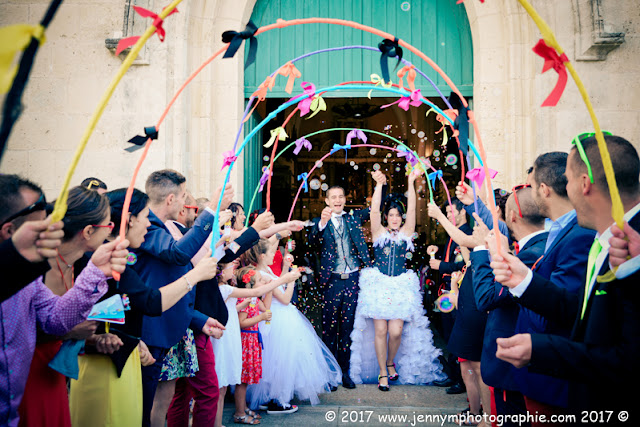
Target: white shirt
(604, 241)
(334, 220)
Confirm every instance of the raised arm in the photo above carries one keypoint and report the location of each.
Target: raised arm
(375, 215)
(454, 232)
(263, 290)
(410, 223)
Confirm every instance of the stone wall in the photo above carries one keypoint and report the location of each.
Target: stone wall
(74, 67)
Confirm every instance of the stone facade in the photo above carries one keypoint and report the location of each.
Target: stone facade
(74, 67)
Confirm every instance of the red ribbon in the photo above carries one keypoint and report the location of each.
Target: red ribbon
(555, 61)
(157, 22)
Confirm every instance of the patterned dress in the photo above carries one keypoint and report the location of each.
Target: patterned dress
(182, 360)
(251, 348)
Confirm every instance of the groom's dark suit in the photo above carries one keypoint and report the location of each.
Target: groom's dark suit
(343, 252)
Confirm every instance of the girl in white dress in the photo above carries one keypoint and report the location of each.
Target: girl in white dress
(228, 349)
(390, 324)
(295, 361)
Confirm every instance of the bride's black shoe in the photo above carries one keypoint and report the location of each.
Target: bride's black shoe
(395, 376)
(380, 386)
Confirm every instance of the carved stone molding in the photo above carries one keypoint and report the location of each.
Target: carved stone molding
(594, 38)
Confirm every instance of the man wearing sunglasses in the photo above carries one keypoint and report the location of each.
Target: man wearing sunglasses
(26, 237)
(604, 346)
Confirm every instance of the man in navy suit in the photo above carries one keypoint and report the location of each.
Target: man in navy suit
(344, 251)
(604, 346)
(564, 263)
(526, 226)
(161, 260)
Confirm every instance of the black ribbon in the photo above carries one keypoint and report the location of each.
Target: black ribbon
(389, 49)
(461, 124)
(12, 107)
(235, 39)
(139, 140)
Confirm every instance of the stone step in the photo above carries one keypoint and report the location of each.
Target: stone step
(403, 405)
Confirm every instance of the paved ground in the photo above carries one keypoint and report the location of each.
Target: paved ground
(367, 406)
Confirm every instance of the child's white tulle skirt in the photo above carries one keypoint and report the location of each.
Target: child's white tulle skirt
(295, 361)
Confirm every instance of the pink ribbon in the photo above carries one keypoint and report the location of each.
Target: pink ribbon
(356, 133)
(228, 158)
(406, 101)
(300, 143)
(477, 175)
(305, 105)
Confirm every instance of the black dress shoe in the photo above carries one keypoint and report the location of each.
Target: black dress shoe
(456, 389)
(448, 382)
(333, 388)
(347, 382)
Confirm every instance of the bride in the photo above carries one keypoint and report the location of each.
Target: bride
(390, 316)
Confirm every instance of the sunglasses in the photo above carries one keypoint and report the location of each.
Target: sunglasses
(514, 191)
(109, 226)
(39, 205)
(192, 207)
(577, 141)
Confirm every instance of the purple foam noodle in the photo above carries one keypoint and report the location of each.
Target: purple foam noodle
(334, 49)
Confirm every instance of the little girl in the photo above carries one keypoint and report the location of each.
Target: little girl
(228, 350)
(296, 362)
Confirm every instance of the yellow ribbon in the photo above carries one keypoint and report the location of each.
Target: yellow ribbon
(379, 81)
(617, 209)
(290, 70)
(15, 38)
(279, 133)
(317, 105)
(60, 208)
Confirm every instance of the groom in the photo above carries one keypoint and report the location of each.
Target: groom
(344, 251)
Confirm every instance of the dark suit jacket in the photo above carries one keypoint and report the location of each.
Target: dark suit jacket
(448, 267)
(208, 297)
(325, 242)
(600, 357)
(162, 260)
(503, 312)
(564, 264)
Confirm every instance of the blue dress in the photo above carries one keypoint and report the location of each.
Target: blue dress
(389, 291)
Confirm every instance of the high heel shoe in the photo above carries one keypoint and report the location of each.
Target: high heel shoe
(395, 376)
(380, 386)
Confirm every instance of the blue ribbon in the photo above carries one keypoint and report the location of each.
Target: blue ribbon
(407, 154)
(433, 176)
(338, 147)
(303, 177)
(389, 49)
(235, 39)
(255, 332)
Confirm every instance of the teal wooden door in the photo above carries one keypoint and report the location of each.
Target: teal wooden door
(252, 154)
(439, 28)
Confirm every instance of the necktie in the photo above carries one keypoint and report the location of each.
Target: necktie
(339, 222)
(596, 247)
